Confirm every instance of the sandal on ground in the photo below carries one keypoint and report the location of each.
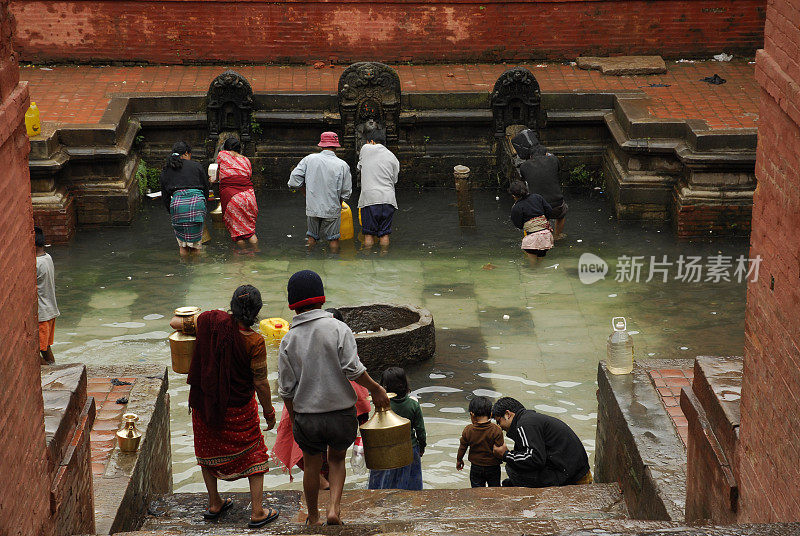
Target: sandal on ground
(210, 516)
(272, 515)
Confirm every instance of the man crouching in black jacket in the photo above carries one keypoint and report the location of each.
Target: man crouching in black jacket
(546, 451)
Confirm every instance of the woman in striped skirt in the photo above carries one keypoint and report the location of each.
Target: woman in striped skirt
(239, 208)
(184, 190)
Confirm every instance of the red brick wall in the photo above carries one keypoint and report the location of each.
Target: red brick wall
(768, 461)
(175, 31)
(25, 492)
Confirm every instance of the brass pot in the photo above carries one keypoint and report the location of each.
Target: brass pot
(387, 440)
(181, 347)
(216, 214)
(181, 344)
(128, 436)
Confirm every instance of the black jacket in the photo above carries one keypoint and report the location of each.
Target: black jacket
(190, 175)
(541, 174)
(529, 207)
(546, 451)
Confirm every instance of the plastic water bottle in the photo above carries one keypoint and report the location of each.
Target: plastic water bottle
(32, 123)
(619, 348)
(357, 461)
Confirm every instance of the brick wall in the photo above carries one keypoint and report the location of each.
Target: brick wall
(768, 458)
(175, 31)
(26, 487)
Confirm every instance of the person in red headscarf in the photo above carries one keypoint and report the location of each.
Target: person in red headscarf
(239, 207)
(228, 372)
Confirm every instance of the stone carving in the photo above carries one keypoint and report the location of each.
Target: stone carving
(229, 106)
(515, 100)
(368, 91)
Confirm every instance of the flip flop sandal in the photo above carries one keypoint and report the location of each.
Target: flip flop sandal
(210, 516)
(271, 516)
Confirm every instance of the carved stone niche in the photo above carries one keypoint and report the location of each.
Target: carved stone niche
(368, 91)
(516, 100)
(229, 107)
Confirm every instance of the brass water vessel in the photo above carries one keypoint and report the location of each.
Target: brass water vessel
(128, 436)
(182, 342)
(387, 440)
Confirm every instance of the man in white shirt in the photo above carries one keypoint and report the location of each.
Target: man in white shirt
(377, 203)
(327, 180)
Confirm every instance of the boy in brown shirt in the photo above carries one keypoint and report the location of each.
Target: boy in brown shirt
(481, 437)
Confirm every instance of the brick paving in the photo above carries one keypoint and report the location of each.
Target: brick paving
(108, 419)
(669, 383)
(80, 94)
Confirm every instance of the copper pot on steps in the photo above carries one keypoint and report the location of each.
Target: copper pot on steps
(128, 436)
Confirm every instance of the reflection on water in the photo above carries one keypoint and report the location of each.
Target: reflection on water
(503, 328)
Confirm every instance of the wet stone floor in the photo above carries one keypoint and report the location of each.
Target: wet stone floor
(502, 327)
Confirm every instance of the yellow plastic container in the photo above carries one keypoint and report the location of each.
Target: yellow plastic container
(273, 329)
(346, 230)
(32, 123)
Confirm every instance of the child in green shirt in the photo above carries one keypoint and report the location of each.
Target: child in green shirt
(409, 477)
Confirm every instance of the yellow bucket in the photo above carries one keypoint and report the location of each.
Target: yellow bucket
(346, 230)
(273, 329)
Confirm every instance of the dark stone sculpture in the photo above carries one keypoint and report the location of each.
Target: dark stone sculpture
(229, 107)
(368, 91)
(516, 99)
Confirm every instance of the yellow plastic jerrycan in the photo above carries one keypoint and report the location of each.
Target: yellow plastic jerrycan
(273, 329)
(32, 123)
(346, 230)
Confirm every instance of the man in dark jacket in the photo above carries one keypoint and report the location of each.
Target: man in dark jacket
(539, 169)
(546, 451)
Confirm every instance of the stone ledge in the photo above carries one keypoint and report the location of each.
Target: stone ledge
(132, 480)
(637, 446)
(623, 65)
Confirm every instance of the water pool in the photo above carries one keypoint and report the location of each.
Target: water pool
(116, 288)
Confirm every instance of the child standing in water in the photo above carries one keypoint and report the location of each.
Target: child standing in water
(480, 437)
(531, 213)
(409, 477)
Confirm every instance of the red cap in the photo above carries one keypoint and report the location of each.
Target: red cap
(328, 139)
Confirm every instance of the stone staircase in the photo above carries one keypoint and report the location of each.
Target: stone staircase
(591, 510)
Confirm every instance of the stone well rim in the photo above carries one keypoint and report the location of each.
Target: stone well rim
(425, 318)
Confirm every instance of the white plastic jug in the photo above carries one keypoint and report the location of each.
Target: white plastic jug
(619, 348)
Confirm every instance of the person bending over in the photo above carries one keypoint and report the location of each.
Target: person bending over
(377, 202)
(546, 451)
(539, 169)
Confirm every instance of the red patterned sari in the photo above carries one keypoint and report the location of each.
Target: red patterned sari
(225, 420)
(239, 208)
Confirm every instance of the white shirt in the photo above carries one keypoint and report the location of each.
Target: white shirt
(379, 171)
(46, 286)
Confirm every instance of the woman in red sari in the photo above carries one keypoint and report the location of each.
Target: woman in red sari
(228, 372)
(239, 208)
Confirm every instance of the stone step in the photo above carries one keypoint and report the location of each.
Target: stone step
(462, 511)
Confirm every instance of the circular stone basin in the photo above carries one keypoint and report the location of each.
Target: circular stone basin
(390, 335)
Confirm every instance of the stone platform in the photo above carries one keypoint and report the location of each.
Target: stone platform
(126, 483)
(463, 511)
(670, 145)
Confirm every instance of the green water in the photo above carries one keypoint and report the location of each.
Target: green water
(117, 287)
